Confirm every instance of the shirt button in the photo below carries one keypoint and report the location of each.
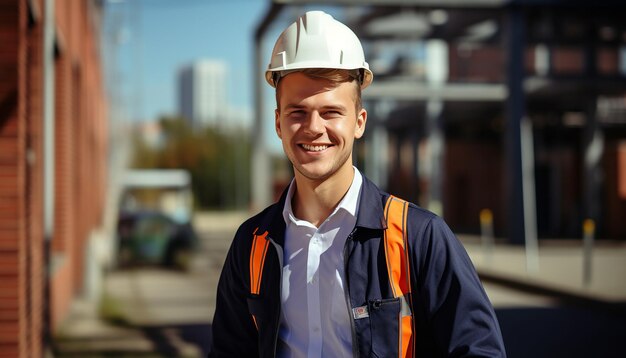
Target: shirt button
(316, 329)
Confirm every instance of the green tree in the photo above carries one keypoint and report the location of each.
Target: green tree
(218, 162)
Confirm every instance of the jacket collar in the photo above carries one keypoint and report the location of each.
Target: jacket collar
(272, 220)
(370, 214)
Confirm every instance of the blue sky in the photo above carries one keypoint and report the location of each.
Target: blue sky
(146, 42)
(157, 37)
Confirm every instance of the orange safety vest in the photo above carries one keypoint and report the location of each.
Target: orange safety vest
(398, 268)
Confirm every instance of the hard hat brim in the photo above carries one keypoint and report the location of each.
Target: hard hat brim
(272, 79)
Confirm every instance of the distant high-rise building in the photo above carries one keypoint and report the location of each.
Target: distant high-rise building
(202, 93)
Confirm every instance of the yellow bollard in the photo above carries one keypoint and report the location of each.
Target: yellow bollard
(589, 229)
(486, 234)
(486, 217)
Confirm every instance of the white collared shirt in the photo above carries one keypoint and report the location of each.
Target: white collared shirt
(315, 319)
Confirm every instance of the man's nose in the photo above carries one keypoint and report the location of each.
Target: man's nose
(315, 123)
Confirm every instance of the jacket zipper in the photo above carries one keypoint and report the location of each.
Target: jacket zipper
(355, 349)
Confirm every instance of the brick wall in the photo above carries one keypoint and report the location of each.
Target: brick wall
(80, 165)
(15, 253)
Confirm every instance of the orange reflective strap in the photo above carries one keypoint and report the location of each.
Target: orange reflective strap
(397, 255)
(260, 244)
(395, 216)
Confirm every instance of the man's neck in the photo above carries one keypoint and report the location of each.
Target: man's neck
(314, 201)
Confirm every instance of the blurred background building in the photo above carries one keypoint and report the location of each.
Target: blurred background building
(53, 163)
(202, 93)
(512, 106)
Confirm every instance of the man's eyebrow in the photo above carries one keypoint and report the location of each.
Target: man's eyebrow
(334, 106)
(294, 106)
(338, 107)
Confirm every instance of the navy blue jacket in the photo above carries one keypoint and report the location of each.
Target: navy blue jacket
(452, 314)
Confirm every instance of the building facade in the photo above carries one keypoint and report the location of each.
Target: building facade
(53, 162)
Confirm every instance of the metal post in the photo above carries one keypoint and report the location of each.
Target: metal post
(528, 198)
(436, 77)
(436, 145)
(593, 141)
(261, 193)
(48, 118)
(381, 137)
(261, 186)
(515, 109)
(48, 162)
(376, 159)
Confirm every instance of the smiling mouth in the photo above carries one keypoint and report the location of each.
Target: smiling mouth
(314, 148)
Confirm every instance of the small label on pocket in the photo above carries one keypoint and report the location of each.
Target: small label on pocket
(360, 312)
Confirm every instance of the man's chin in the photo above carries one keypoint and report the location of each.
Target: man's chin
(315, 174)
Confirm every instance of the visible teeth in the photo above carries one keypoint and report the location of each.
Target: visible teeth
(314, 148)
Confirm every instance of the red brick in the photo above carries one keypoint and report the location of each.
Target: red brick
(8, 224)
(8, 332)
(8, 283)
(9, 303)
(7, 244)
(9, 129)
(8, 152)
(8, 315)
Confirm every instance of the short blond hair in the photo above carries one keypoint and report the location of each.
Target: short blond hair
(335, 77)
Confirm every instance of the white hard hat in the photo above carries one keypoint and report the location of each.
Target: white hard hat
(317, 40)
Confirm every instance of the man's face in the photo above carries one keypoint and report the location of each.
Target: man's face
(318, 123)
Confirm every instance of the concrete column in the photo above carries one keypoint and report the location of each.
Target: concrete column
(260, 176)
(436, 77)
(593, 144)
(377, 158)
(436, 144)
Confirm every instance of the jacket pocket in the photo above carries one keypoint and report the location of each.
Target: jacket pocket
(384, 318)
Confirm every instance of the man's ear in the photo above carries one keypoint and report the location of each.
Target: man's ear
(361, 120)
(277, 123)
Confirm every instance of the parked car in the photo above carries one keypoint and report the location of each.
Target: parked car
(154, 238)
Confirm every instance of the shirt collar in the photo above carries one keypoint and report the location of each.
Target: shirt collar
(349, 203)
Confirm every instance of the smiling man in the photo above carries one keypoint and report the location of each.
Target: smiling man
(337, 267)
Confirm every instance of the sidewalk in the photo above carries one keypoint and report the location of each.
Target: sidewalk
(85, 334)
(136, 304)
(559, 269)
